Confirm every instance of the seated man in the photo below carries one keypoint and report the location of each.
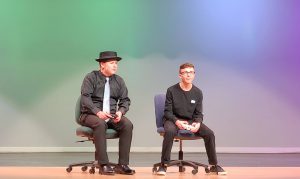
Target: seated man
(183, 110)
(104, 102)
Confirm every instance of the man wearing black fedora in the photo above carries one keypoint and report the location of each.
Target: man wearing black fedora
(104, 102)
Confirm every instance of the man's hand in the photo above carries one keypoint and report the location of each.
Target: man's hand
(195, 127)
(103, 115)
(181, 124)
(118, 117)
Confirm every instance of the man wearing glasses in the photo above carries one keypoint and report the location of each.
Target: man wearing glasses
(183, 110)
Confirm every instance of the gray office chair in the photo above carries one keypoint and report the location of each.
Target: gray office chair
(87, 132)
(159, 104)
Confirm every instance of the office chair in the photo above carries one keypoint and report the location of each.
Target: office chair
(159, 104)
(87, 132)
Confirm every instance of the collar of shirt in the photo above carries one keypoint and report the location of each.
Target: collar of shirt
(103, 77)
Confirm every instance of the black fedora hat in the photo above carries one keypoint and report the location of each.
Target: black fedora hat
(108, 55)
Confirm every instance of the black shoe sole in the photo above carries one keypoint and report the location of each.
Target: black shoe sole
(105, 173)
(124, 173)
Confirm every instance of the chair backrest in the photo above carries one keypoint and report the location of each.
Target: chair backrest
(77, 110)
(159, 106)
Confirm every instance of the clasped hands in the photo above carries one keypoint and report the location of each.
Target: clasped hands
(194, 127)
(104, 115)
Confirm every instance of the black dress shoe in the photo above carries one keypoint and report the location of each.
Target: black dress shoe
(106, 170)
(124, 169)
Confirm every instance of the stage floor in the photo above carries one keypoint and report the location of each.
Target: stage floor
(146, 173)
(63, 159)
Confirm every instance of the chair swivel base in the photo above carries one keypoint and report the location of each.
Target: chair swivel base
(181, 164)
(84, 166)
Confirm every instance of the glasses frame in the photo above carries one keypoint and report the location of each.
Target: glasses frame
(187, 72)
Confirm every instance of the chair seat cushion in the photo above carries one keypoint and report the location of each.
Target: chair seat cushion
(84, 131)
(181, 134)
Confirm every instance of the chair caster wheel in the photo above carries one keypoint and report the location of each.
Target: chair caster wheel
(92, 170)
(154, 170)
(69, 169)
(206, 170)
(194, 172)
(84, 168)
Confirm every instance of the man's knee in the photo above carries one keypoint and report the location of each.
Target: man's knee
(209, 134)
(99, 129)
(170, 131)
(212, 135)
(170, 128)
(100, 125)
(127, 124)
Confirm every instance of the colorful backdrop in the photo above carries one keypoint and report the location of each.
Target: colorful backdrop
(246, 54)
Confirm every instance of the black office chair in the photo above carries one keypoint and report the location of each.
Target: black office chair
(87, 132)
(159, 102)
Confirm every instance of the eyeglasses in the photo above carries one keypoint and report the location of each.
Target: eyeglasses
(187, 72)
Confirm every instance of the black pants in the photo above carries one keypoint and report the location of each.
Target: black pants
(204, 132)
(99, 126)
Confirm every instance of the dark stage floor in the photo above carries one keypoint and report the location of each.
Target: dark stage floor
(147, 159)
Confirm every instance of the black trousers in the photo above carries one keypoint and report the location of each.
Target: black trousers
(99, 126)
(204, 132)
